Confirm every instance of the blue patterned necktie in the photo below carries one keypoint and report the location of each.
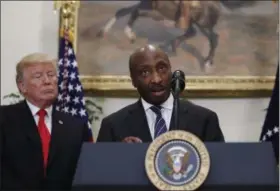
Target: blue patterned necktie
(160, 125)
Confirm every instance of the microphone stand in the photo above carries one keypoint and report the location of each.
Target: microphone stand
(176, 105)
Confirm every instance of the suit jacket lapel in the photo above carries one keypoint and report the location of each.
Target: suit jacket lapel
(137, 122)
(183, 117)
(28, 122)
(58, 131)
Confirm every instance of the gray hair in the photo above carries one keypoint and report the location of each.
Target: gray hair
(31, 59)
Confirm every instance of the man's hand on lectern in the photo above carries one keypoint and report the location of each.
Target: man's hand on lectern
(132, 140)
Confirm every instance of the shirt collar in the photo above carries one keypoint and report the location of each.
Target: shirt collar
(34, 109)
(168, 104)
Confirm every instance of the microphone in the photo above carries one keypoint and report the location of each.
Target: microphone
(177, 86)
(178, 82)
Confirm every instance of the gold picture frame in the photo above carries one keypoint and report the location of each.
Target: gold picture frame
(196, 86)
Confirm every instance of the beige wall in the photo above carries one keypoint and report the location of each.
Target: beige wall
(32, 26)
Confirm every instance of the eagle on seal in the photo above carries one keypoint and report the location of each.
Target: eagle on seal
(177, 163)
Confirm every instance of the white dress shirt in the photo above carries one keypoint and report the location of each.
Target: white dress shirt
(48, 118)
(166, 112)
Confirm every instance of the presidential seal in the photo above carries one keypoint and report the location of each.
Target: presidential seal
(177, 160)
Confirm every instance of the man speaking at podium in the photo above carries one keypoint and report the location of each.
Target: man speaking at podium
(153, 115)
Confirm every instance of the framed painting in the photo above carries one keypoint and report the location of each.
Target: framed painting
(225, 48)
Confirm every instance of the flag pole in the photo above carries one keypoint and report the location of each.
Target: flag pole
(66, 11)
(65, 16)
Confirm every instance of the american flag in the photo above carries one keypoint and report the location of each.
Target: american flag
(270, 131)
(71, 96)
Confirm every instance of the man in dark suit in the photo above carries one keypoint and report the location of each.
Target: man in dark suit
(152, 114)
(39, 146)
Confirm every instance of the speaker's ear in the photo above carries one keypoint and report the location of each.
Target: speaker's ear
(133, 82)
(21, 87)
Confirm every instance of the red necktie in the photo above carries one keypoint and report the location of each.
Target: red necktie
(44, 134)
